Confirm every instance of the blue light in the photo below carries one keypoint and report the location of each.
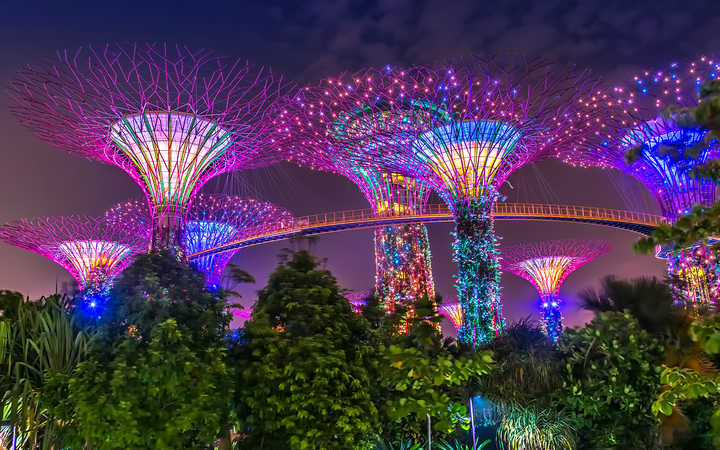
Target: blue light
(202, 235)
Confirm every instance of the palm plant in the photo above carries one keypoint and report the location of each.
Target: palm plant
(535, 429)
(38, 341)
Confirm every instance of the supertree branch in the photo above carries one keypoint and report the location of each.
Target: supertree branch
(215, 220)
(546, 265)
(92, 249)
(171, 118)
(453, 311)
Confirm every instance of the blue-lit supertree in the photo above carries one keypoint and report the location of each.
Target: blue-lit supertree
(215, 220)
(643, 138)
(546, 265)
(461, 129)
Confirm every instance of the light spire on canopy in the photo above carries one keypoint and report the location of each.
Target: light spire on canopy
(546, 265)
(170, 118)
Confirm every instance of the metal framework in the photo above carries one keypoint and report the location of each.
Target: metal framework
(92, 249)
(546, 265)
(215, 220)
(639, 124)
(463, 130)
(171, 118)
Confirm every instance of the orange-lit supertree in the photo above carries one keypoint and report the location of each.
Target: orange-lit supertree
(546, 265)
(637, 134)
(453, 311)
(170, 117)
(462, 129)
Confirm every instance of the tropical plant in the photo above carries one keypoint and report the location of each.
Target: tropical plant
(38, 342)
(611, 376)
(455, 445)
(531, 428)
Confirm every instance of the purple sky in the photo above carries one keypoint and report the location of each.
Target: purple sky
(321, 38)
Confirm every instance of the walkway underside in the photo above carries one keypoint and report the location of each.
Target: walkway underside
(638, 222)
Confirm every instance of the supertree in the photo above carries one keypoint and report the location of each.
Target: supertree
(170, 118)
(93, 249)
(453, 311)
(215, 220)
(337, 144)
(546, 265)
(461, 129)
(661, 150)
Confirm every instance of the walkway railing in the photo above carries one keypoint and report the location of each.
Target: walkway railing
(438, 212)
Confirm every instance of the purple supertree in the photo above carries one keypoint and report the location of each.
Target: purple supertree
(546, 265)
(658, 141)
(92, 249)
(215, 220)
(462, 130)
(170, 118)
(403, 270)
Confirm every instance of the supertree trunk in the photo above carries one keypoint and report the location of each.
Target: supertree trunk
(695, 279)
(403, 265)
(168, 229)
(552, 322)
(478, 277)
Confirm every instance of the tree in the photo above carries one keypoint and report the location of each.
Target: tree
(611, 378)
(303, 372)
(38, 342)
(156, 375)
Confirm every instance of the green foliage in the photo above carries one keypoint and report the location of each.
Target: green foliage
(648, 300)
(535, 429)
(445, 445)
(688, 384)
(156, 375)
(611, 377)
(38, 341)
(157, 392)
(304, 378)
(528, 366)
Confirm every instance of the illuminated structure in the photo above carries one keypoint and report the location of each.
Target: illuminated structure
(546, 265)
(462, 131)
(638, 125)
(337, 143)
(171, 119)
(453, 311)
(215, 220)
(357, 300)
(93, 250)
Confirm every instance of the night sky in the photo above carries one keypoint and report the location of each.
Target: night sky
(310, 39)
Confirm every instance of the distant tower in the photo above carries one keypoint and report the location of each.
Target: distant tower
(461, 129)
(453, 311)
(546, 265)
(92, 249)
(218, 219)
(636, 122)
(170, 118)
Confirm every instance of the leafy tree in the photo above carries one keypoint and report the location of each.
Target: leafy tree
(156, 375)
(611, 378)
(304, 380)
(685, 383)
(38, 341)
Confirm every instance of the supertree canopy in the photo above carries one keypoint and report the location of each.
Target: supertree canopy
(661, 149)
(170, 118)
(215, 220)
(92, 249)
(462, 130)
(453, 311)
(336, 143)
(546, 265)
